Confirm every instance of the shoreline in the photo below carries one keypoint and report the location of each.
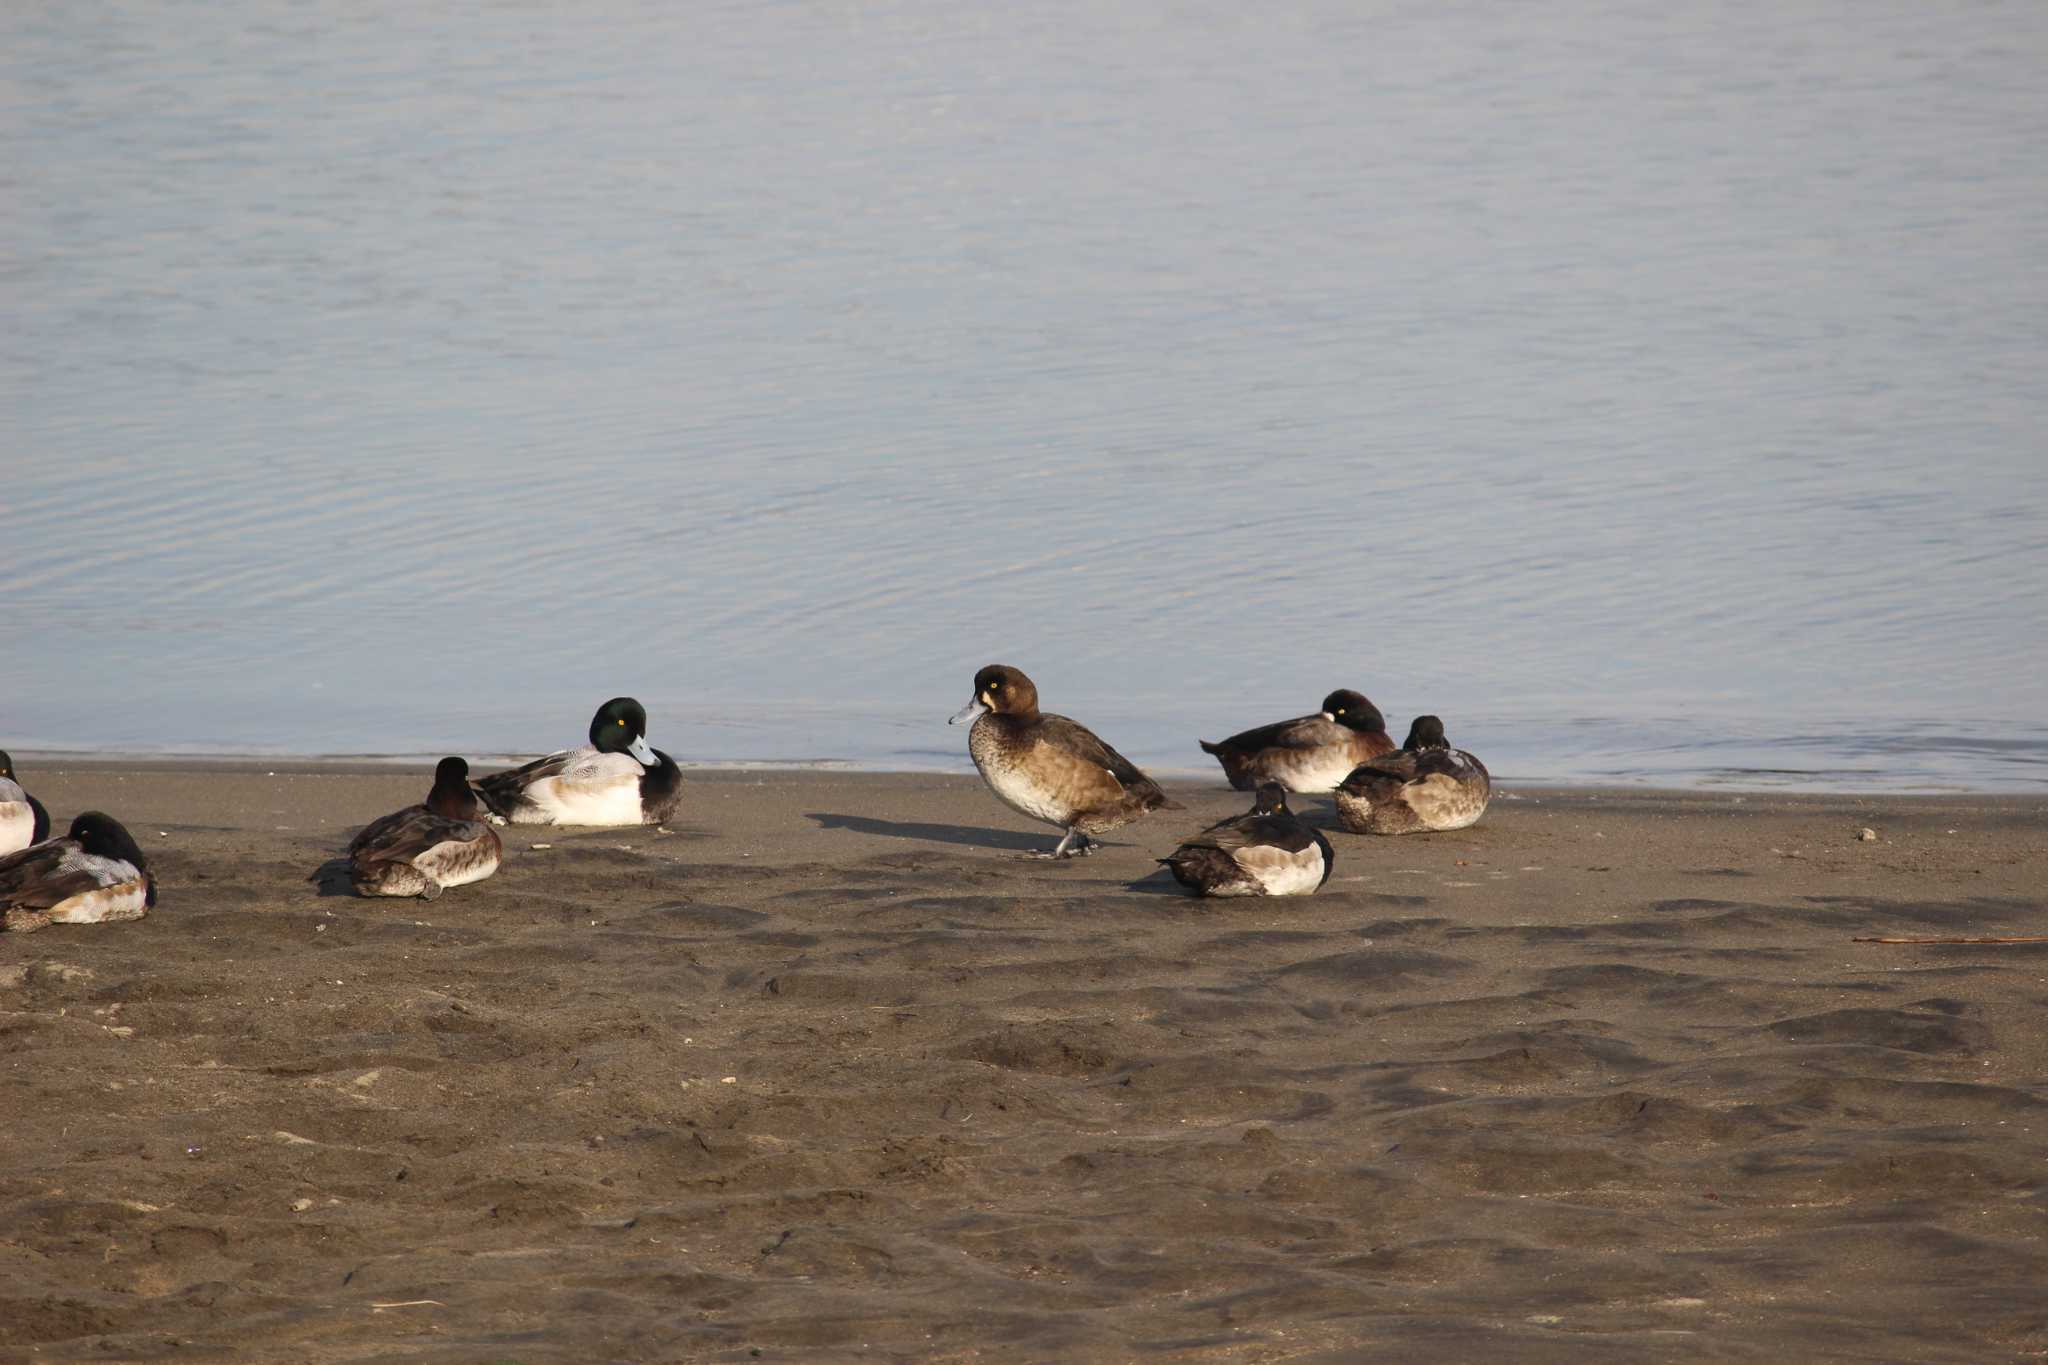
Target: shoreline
(824, 1069)
(61, 762)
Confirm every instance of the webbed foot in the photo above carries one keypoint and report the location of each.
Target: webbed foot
(1075, 845)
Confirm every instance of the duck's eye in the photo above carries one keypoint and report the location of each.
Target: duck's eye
(995, 687)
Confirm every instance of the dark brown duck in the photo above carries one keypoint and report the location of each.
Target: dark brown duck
(1424, 785)
(417, 851)
(1051, 768)
(1267, 852)
(1309, 753)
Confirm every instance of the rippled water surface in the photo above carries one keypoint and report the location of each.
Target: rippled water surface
(1654, 391)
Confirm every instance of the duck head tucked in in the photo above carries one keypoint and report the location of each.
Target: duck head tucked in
(1311, 753)
(620, 727)
(1001, 689)
(102, 836)
(1264, 852)
(95, 875)
(1352, 711)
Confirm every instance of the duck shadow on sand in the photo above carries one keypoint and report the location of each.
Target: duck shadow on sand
(944, 834)
(1160, 882)
(332, 878)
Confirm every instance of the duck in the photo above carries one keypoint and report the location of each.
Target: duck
(1050, 768)
(417, 851)
(93, 875)
(23, 821)
(1309, 753)
(616, 779)
(1269, 851)
(1424, 785)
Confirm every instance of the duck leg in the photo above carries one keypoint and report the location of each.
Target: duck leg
(1068, 847)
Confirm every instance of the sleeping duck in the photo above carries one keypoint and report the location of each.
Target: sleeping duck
(1051, 768)
(94, 875)
(616, 779)
(443, 841)
(23, 821)
(1268, 852)
(1423, 785)
(1308, 753)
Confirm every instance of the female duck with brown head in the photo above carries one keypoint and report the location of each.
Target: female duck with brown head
(1051, 768)
(1423, 785)
(443, 841)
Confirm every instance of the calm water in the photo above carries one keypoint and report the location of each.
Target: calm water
(1657, 392)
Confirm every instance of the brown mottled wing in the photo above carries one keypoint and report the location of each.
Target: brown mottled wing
(1077, 739)
(1203, 867)
(1303, 732)
(1400, 766)
(33, 879)
(1373, 743)
(1450, 762)
(1253, 831)
(403, 835)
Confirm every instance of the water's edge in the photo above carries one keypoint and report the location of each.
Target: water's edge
(1508, 785)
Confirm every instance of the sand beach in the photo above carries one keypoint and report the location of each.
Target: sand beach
(825, 1070)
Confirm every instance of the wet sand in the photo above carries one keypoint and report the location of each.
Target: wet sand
(829, 1072)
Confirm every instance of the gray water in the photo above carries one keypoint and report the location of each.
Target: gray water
(1654, 391)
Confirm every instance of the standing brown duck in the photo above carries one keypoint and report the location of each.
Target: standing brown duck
(1309, 753)
(1051, 768)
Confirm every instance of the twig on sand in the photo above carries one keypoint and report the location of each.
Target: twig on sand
(409, 1303)
(2029, 938)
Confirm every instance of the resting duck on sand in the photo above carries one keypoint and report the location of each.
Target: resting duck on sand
(443, 841)
(616, 779)
(94, 875)
(1308, 753)
(1424, 785)
(1051, 768)
(1268, 852)
(23, 821)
